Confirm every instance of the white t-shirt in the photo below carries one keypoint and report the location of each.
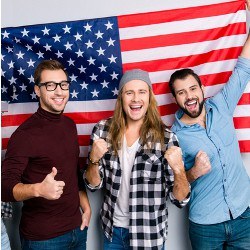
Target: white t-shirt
(127, 157)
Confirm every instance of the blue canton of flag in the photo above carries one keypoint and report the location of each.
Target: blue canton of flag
(89, 50)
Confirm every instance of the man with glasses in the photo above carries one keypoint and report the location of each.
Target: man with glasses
(41, 169)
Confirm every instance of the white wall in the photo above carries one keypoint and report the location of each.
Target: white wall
(27, 12)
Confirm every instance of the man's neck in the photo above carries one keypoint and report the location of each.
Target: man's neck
(201, 119)
(132, 132)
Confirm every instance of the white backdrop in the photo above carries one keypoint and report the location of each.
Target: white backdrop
(28, 12)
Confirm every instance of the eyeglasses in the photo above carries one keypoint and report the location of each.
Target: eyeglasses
(51, 86)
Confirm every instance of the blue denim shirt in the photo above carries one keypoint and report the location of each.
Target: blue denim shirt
(227, 186)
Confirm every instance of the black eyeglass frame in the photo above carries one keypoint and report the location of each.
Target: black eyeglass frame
(56, 84)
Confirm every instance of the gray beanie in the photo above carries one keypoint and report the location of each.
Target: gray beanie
(135, 74)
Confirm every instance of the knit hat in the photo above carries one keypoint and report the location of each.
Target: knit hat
(135, 74)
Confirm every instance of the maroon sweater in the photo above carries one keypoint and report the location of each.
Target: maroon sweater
(44, 141)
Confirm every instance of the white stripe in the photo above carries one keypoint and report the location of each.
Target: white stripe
(182, 26)
(243, 134)
(164, 99)
(168, 119)
(182, 50)
(242, 111)
(202, 69)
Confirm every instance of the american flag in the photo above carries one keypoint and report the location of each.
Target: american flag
(96, 52)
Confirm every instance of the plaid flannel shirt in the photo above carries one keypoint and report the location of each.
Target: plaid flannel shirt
(151, 183)
(6, 210)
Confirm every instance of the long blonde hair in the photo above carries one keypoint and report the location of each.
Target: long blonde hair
(152, 126)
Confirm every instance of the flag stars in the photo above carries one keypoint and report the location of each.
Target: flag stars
(25, 32)
(114, 75)
(20, 55)
(56, 38)
(31, 79)
(99, 34)
(14, 97)
(112, 59)
(3, 73)
(45, 31)
(47, 47)
(33, 95)
(109, 25)
(21, 71)
(100, 51)
(17, 40)
(89, 44)
(84, 85)
(31, 63)
(5, 34)
(87, 27)
(36, 39)
(78, 36)
(74, 94)
(110, 42)
(68, 46)
(103, 68)
(28, 47)
(115, 92)
(66, 29)
(2, 57)
(95, 93)
(12, 80)
(40, 54)
(91, 61)
(73, 78)
(59, 54)
(82, 69)
(9, 49)
(4, 89)
(71, 62)
(23, 87)
(104, 84)
(93, 77)
(11, 64)
(79, 53)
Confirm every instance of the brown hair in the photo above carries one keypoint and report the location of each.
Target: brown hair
(152, 124)
(47, 65)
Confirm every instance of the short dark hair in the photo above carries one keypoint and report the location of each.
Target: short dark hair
(182, 74)
(47, 65)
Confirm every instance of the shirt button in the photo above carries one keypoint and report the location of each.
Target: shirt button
(225, 180)
(224, 165)
(219, 149)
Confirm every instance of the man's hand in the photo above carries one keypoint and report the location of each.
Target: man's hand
(85, 219)
(99, 148)
(248, 4)
(201, 166)
(49, 188)
(174, 157)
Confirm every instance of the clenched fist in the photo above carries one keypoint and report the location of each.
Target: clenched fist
(99, 148)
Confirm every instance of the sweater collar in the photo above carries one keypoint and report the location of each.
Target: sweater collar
(48, 115)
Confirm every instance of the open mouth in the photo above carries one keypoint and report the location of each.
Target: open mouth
(136, 107)
(191, 104)
(58, 100)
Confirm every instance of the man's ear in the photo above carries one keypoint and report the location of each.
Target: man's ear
(37, 90)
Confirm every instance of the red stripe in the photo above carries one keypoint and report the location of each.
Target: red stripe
(179, 38)
(5, 143)
(168, 109)
(244, 146)
(79, 118)
(89, 117)
(241, 122)
(14, 120)
(83, 140)
(245, 100)
(185, 61)
(207, 80)
(180, 14)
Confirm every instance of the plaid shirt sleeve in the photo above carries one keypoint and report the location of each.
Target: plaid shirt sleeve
(99, 131)
(173, 141)
(6, 210)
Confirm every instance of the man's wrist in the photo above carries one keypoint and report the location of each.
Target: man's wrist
(92, 161)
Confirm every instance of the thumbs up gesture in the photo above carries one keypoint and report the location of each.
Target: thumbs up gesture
(49, 188)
